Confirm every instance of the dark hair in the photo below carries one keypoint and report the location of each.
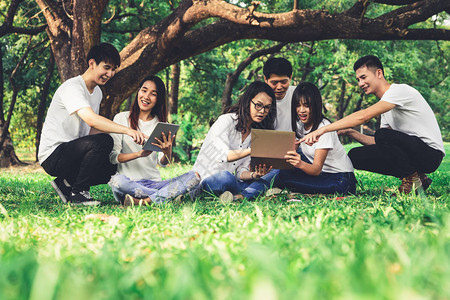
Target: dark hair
(369, 61)
(160, 108)
(242, 107)
(277, 65)
(307, 92)
(104, 52)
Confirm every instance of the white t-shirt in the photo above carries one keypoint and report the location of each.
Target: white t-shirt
(62, 123)
(283, 121)
(411, 115)
(139, 168)
(221, 138)
(337, 160)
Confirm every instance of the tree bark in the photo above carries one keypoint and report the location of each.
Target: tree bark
(73, 28)
(43, 101)
(234, 76)
(174, 89)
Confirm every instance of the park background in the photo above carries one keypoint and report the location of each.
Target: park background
(371, 245)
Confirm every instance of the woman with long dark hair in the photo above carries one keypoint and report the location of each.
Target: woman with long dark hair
(138, 179)
(224, 159)
(323, 167)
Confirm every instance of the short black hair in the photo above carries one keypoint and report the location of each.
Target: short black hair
(277, 65)
(104, 52)
(369, 61)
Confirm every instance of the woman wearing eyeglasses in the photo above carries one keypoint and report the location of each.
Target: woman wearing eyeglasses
(224, 159)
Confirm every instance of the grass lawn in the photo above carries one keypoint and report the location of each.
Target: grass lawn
(368, 246)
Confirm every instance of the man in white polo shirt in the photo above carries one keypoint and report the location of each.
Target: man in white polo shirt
(409, 143)
(69, 149)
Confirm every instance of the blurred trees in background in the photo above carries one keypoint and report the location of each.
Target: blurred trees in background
(208, 44)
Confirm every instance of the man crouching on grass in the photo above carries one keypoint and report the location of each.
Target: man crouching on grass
(409, 143)
(69, 149)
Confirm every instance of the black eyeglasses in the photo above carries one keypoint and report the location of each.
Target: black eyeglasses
(259, 106)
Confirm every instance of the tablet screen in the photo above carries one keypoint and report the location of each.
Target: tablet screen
(157, 133)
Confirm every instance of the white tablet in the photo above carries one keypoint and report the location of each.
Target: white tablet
(157, 133)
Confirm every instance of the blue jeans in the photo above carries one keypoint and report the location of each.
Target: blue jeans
(157, 191)
(225, 181)
(326, 183)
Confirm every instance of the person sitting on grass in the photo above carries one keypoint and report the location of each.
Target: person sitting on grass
(69, 149)
(409, 143)
(224, 158)
(324, 167)
(138, 180)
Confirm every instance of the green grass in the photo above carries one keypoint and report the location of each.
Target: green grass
(369, 246)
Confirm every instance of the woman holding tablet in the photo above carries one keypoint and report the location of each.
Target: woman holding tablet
(138, 179)
(331, 170)
(224, 159)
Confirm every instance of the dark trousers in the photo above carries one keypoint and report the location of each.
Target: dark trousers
(83, 162)
(397, 154)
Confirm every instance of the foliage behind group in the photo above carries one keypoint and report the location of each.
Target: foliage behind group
(422, 64)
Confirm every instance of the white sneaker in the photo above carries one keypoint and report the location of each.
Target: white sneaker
(226, 197)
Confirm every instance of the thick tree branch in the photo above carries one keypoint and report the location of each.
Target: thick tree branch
(308, 25)
(7, 26)
(174, 38)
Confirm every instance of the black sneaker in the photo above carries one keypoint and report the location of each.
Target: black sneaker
(62, 188)
(82, 198)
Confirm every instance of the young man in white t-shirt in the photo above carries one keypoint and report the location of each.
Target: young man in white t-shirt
(409, 143)
(278, 74)
(70, 149)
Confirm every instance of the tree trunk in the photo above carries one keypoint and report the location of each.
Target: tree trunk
(343, 101)
(6, 145)
(174, 89)
(43, 101)
(2, 89)
(360, 101)
(8, 156)
(73, 28)
(308, 68)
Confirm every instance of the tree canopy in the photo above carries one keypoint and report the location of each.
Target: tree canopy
(187, 28)
(211, 40)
